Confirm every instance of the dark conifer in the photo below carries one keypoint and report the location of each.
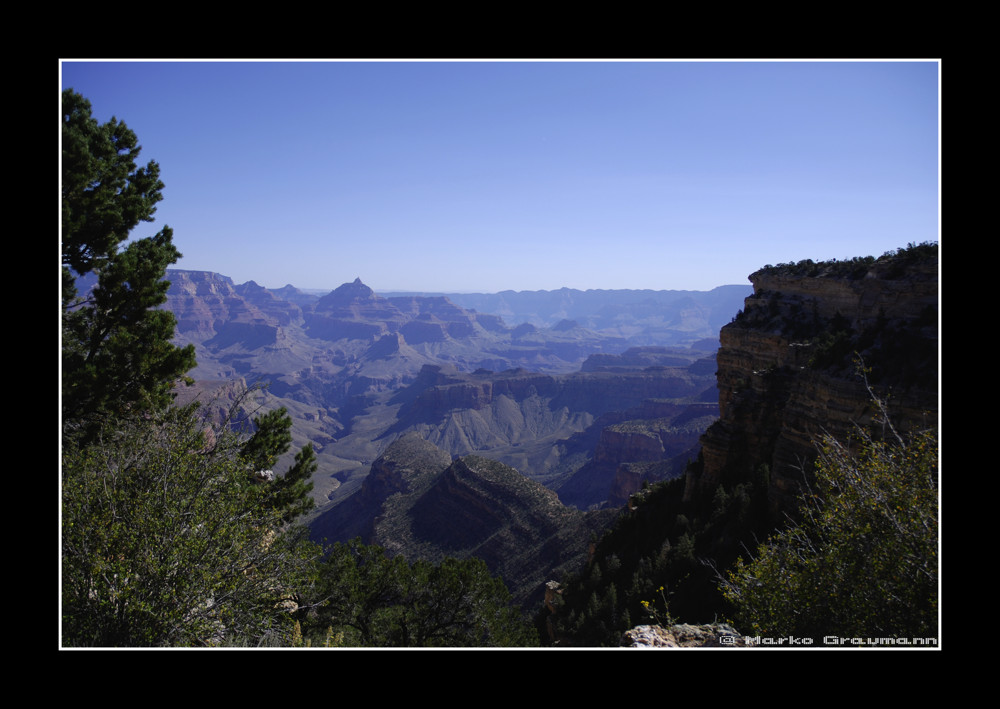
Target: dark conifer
(116, 344)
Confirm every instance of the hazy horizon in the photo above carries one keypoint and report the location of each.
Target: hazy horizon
(393, 291)
(485, 176)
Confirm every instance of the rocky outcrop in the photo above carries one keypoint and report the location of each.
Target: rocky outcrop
(637, 448)
(440, 390)
(788, 364)
(210, 309)
(665, 447)
(202, 302)
(282, 310)
(634, 440)
(435, 319)
(683, 636)
(353, 312)
(405, 467)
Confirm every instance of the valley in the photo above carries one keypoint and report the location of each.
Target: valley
(357, 370)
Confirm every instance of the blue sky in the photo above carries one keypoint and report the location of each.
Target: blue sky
(484, 176)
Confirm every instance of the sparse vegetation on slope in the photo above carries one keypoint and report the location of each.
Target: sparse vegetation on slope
(419, 504)
(659, 541)
(367, 599)
(863, 560)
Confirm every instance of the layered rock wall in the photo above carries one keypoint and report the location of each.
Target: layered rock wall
(789, 365)
(205, 302)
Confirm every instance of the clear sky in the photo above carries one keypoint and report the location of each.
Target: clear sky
(482, 176)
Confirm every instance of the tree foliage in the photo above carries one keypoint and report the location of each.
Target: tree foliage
(653, 563)
(169, 539)
(170, 536)
(272, 438)
(116, 343)
(372, 600)
(863, 560)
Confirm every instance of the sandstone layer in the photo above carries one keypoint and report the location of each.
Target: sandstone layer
(798, 361)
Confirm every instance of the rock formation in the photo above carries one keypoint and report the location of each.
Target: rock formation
(683, 636)
(419, 503)
(356, 369)
(788, 365)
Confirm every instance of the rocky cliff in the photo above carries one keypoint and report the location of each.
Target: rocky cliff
(648, 443)
(787, 374)
(789, 364)
(206, 303)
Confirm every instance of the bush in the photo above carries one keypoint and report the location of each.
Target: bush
(371, 600)
(168, 540)
(863, 560)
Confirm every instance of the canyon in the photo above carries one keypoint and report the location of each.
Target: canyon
(442, 430)
(356, 370)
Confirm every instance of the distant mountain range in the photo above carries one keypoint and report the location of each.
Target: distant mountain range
(642, 317)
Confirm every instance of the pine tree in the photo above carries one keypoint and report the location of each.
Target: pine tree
(116, 344)
(169, 537)
(375, 600)
(289, 493)
(270, 440)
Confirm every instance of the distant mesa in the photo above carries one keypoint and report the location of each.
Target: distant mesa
(348, 295)
(565, 325)
(389, 345)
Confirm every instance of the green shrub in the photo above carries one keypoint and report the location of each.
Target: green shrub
(863, 560)
(369, 599)
(168, 540)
